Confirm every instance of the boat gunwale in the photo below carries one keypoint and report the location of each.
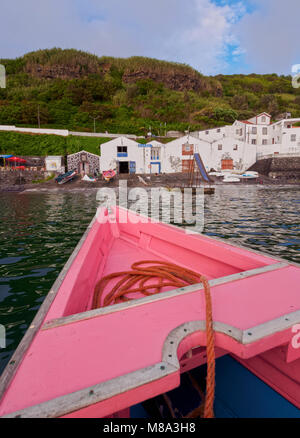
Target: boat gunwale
(100, 392)
(16, 359)
(70, 319)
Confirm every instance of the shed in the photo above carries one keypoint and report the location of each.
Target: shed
(84, 162)
(54, 163)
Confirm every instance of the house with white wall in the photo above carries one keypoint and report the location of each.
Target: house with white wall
(232, 147)
(127, 156)
(216, 153)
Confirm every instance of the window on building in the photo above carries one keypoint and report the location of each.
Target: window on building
(155, 153)
(263, 119)
(206, 132)
(122, 149)
(187, 149)
(218, 130)
(254, 130)
(253, 141)
(220, 147)
(264, 142)
(265, 131)
(293, 137)
(293, 149)
(235, 147)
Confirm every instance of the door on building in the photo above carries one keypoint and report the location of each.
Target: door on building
(132, 167)
(187, 166)
(227, 164)
(155, 168)
(123, 167)
(84, 167)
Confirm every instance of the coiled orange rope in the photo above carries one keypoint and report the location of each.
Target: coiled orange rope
(163, 274)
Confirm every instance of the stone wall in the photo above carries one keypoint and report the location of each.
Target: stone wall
(287, 167)
(74, 161)
(11, 178)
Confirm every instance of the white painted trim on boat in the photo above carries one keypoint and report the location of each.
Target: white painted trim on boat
(268, 328)
(75, 401)
(159, 297)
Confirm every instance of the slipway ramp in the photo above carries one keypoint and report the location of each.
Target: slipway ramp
(201, 168)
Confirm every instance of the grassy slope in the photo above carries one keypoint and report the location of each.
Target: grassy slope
(27, 144)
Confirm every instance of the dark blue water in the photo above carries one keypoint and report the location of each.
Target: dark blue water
(39, 232)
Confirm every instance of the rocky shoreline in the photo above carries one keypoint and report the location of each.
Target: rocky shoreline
(17, 183)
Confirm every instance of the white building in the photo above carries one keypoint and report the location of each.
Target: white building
(129, 156)
(234, 147)
(54, 163)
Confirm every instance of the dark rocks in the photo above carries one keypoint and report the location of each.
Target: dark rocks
(176, 81)
(279, 167)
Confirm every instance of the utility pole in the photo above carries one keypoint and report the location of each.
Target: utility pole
(95, 118)
(39, 120)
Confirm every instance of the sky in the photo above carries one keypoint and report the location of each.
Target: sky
(213, 36)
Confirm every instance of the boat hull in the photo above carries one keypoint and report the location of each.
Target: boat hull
(76, 361)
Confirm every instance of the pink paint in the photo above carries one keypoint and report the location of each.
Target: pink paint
(67, 358)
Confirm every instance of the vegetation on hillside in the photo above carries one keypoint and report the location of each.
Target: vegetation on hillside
(70, 89)
(30, 144)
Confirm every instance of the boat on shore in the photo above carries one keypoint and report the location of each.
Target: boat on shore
(231, 179)
(250, 175)
(108, 175)
(66, 177)
(108, 337)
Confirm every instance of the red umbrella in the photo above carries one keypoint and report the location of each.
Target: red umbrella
(16, 160)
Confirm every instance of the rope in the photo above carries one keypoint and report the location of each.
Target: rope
(149, 278)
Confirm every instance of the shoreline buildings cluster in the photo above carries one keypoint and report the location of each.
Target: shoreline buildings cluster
(235, 147)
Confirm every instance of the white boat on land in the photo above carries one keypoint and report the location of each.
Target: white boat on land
(230, 179)
(250, 175)
(216, 174)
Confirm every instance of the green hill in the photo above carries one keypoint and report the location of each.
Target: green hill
(71, 88)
